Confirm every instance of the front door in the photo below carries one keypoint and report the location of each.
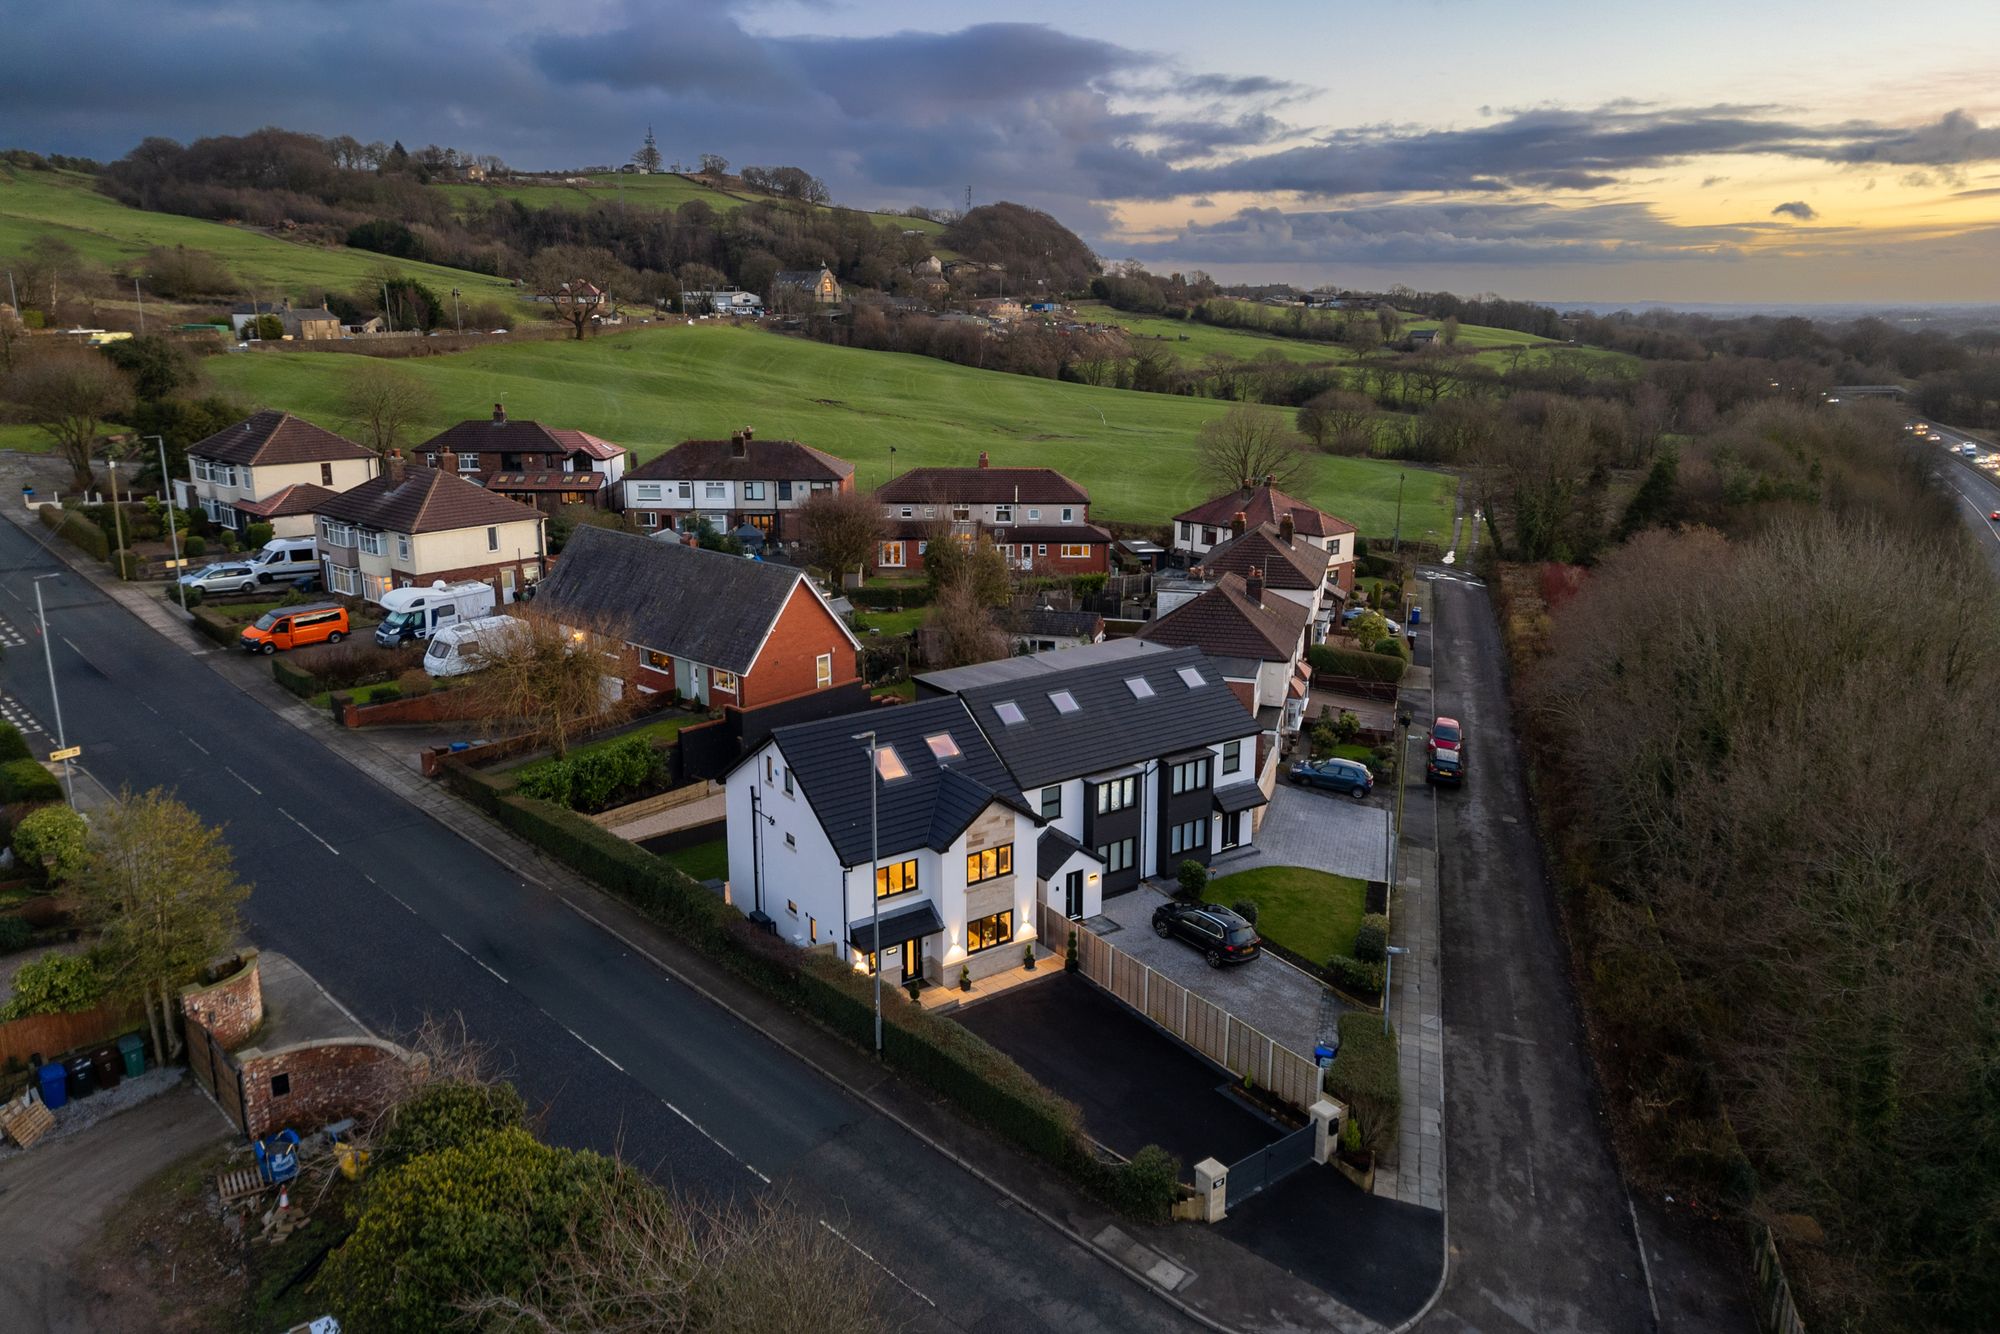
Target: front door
(507, 584)
(1073, 896)
(913, 959)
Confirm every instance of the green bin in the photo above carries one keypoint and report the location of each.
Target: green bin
(133, 1048)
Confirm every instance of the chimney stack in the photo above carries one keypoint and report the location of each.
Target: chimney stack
(747, 435)
(736, 449)
(392, 465)
(1237, 522)
(499, 415)
(983, 462)
(448, 462)
(1286, 527)
(1253, 584)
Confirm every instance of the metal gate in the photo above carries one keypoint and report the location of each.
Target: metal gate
(1268, 1166)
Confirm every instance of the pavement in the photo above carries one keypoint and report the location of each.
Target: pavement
(55, 1197)
(1279, 1000)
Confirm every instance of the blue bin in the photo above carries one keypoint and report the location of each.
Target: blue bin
(54, 1094)
(1416, 614)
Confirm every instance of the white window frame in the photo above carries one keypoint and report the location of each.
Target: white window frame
(371, 543)
(643, 491)
(1003, 514)
(402, 546)
(468, 463)
(648, 519)
(822, 671)
(902, 555)
(714, 491)
(1076, 551)
(685, 490)
(1069, 514)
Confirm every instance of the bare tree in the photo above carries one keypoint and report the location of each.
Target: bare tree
(648, 156)
(1247, 443)
(547, 676)
(575, 282)
(962, 627)
(70, 394)
(841, 530)
(12, 331)
(1339, 421)
(381, 402)
(714, 164)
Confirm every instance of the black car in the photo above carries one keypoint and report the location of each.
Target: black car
(1220, 935)
(1445, 766)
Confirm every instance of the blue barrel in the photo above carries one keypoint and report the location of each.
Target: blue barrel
(1416, 614)
(53, 1093)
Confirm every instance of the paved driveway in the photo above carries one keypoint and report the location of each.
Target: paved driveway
(1304, 826)
(1267, 993)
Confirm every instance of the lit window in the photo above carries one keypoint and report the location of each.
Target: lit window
(895, 878)
(989, 863)
(1010, 713)
(987, 932)
(890, 765)
(1191, 678)
(1076, 551)
(1064, 702)
(942, 746)
(823, 671)
(1140, 687)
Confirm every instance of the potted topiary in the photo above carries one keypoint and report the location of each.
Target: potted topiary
(912, 986)
(964, 978)
(1028, 958)
(1071, 960)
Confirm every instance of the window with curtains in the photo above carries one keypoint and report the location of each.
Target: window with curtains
(895, 878)
(986, 932)
(989, 863)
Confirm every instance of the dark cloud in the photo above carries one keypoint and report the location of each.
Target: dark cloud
(1797, 208)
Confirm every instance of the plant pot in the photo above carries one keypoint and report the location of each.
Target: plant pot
(1357, 1167)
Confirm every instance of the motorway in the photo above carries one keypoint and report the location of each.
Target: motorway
(1975, 481)
(402, 919)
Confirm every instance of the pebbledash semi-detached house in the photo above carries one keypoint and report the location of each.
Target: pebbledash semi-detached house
(413, 526)
(733, 482)
(271, 468)
(1037, 518)
(1210, 524)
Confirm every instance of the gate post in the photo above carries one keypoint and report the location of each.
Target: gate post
(1326, 1129)
(1211, 1187)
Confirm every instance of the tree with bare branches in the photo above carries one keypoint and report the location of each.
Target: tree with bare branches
(382, 402)
(841, 530)
(1339, 421)
(1248, 443)
(552, 678)
(576, 283)
(69, 394)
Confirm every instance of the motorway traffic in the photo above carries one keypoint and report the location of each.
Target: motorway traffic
(1974, 478)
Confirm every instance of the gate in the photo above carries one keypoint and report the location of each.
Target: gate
(216, 1072)
(1267, 1166)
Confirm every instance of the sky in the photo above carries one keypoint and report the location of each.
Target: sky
(1792, 151)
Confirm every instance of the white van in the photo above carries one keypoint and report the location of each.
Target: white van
(458, 649)
(286, 558)
(419, 613)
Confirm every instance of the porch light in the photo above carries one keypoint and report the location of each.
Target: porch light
(1093, 877)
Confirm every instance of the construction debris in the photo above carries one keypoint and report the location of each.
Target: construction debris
(26, 1120)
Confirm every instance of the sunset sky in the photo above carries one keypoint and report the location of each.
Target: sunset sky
(1789, 151)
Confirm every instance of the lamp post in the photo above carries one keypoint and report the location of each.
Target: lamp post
(874, 873)
(117, 515)
(1389, 980)
(173, 530)
(49, 658)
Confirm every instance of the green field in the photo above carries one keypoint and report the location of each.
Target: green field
(651, 388)
(66, 205)
(1205, 340)
(664, 191)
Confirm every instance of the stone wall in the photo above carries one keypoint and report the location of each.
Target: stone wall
(232, 1008)
(308, 1085)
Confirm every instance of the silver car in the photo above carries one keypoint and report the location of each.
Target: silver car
(234, 577)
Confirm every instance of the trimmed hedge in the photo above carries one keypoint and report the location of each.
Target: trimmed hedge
(12, 745)
(477, 786)
(1364, 1076)
(79, 531)
(1355, 975)
(1354, 662)
(26, 780)
(590, 780)
(295, 679)
(1371, 939)
(214, 625)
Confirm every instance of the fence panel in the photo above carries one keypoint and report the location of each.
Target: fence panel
(1207, 1028)
(53, 1034)
(1163, 1003)
(1778, 1313)
(1128, 980)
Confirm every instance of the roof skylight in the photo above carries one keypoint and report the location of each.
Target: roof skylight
(943, 746)
(1140, 687)
(1010, 713)
(890, 765)
(1064, 702)
(1191, 678)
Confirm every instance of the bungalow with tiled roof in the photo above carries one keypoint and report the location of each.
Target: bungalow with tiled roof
(414, 526)
(236, 474)
(1037, 518)
(1198, 529)
(543, 466)
(1256, 639)
(733, 482)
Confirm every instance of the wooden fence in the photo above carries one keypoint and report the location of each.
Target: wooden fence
(1776, 1312)
(53, 1034)
(1201, 1024)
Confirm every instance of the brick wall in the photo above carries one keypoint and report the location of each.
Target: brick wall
(306, 1086)
(787, 666)
(439, 706)
(232, 1008)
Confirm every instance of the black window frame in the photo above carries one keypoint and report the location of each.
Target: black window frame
(1003, 931)
(908, 865)
(1127, 789)
(1001, 852)
(1052, 802)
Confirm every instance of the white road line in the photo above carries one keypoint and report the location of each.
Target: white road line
(247, 783)
(198, 746)
(621, 1070)
(72, 645)
(300, 823)
(860, 1251)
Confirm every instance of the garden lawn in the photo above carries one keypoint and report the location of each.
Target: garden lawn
(1310, 913)
(703, 861)
(658, 733)
(651, 388)
(890, 622)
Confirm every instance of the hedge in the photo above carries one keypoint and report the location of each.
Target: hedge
(12, 745)
(1354, 662)
(297, 680)
(78, 530)
(1365, 1077)
(477, 786)
(589, 780)
(26, 780)
(213, 625)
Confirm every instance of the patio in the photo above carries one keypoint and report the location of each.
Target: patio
(950, 997)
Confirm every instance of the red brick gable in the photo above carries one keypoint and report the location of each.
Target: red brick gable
(787, 665)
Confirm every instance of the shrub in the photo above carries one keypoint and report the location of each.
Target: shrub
(1349, 973)
(52, 838)
(589, 780)
(1072, 961)
(1345, 728)
(1356, 663)
(128, 565)
(1089, 585)
(196, 545)
(13, 746)
(381, 694)
(25, 780)
(1194, 880)
(1390, 646)
(1371, 939)
(1364, 1076)
(15, 933)
(257, 535)
(1145, 1187)
(1246, 909)
(446, 1115)
(1350, 1135)
(55, 984)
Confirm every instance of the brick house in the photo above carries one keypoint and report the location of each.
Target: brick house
(236, 474)
(1292, 567)
(709, 627)
(1038, 518)
(1198, 529)
(1256, 640)
(741, 480)
(538, 465)
(418, 525)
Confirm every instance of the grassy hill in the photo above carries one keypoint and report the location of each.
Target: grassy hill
(652, 388)
(67, 205)
(1191, 341)
(663, 191)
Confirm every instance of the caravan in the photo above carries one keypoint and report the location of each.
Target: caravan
(458, 649)
(418, 613)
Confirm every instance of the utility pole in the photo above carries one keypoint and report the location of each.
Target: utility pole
(874, 874)
(1398, 550)
(49, 658)
(117, 514)
(388, 316)
(456, 318)
(173, 531)
(142, 305)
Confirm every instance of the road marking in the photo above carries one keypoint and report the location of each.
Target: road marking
(858, 1250)
(11, 637)
(247, 783)
(17, 713)
(72, 645)
(198, 746)
(621, 1070)
(476, 959)
(300, 823)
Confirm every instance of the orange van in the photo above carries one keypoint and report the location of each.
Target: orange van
(296, 627)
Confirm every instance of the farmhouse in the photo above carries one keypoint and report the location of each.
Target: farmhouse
(817, 286)
(1038, 518)
(729, 483)
(418, 525)
(240, 475)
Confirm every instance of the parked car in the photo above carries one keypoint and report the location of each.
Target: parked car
(1994, 516)
(296, 627)
(1446, 767)
(1220, 935)
(1349, 776)
(234, 577)
(1445, 734)
(307, 582)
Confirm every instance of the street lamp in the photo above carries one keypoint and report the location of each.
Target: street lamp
(874, 873)
(117, 514)
(1388, 980)
(49, 658)
(173, 531)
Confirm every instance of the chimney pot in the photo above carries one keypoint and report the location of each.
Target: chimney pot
(392, 465)
(736, 450)
(1253, 584)
(983, 462)
(499, 415)
(748, 435)
(1286, 527)
(1237, 523)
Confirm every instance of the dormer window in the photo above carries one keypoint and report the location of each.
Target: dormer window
(1064, 702)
